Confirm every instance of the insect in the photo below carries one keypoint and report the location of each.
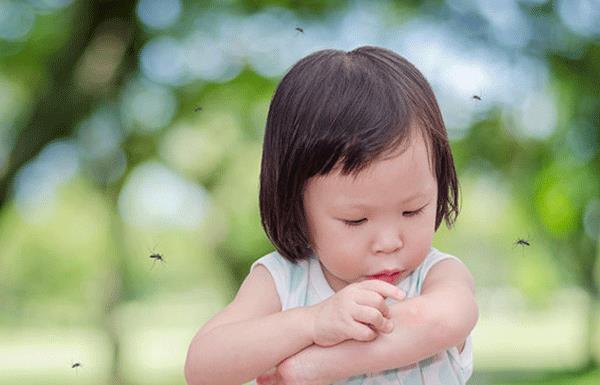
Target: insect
(75, 366)
(198, 109)
(522, 242)
(301, 30)
(156, 257)
(477, 96)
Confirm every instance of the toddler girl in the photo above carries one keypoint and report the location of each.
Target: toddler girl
(356, 176)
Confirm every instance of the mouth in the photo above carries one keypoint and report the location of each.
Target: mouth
(388, 277)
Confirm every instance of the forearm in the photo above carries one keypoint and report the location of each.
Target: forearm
(419, 333)
(239, 352)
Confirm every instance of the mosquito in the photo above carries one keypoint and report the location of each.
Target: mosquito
(477, 97)
(75, 366)
(156, 257)
(301, 30)
(523, 242)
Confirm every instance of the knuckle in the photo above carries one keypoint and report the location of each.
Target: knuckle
(350, 291)
(347, 319)
(344, 303)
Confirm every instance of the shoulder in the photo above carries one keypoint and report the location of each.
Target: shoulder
(274, 261)
(287, 276)
(258, 290)
(278, 266)
(442, 268)
(256, 297)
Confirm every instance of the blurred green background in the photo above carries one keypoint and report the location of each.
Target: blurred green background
(135, 127)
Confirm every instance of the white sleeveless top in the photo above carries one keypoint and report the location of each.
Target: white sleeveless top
(304, 284)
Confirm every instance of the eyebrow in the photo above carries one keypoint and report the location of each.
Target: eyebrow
(367, 206)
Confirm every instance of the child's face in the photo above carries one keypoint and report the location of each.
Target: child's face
(391, 233)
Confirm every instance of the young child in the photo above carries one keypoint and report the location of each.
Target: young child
(356, 176)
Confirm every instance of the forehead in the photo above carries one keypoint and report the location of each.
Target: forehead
(397, 178)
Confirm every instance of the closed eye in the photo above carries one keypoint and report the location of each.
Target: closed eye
(413, 213)
(355, 223)
(406, 214)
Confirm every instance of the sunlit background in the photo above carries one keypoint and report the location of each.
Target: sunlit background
(130, 128)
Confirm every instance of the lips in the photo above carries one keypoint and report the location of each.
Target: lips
(389, 277)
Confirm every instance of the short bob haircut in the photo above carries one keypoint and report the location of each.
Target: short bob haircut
(345, 109)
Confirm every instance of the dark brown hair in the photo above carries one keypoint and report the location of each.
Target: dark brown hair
(337, 108)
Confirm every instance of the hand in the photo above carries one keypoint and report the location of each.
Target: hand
(357, 312)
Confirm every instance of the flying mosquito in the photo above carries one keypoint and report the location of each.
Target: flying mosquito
(156, 257)
(478, 96)
(523, 242)
(76, 365)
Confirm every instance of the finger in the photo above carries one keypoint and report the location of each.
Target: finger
(370, 298)
(372, 316)
(384, 288)
(362, 332)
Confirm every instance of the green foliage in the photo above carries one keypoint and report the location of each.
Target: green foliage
(74, 260)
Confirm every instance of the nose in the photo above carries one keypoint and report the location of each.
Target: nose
(388, 241)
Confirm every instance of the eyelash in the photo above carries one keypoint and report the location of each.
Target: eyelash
(359, 222)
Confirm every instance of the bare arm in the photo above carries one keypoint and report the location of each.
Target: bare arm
(239, 352)
(249, 336)
(441, 317)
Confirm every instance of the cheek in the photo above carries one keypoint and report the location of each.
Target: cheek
(423, 231)
(337, 237)
(341, 243)
(324, 231)
(428, 219)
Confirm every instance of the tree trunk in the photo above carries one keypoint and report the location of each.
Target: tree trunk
(63, 103)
